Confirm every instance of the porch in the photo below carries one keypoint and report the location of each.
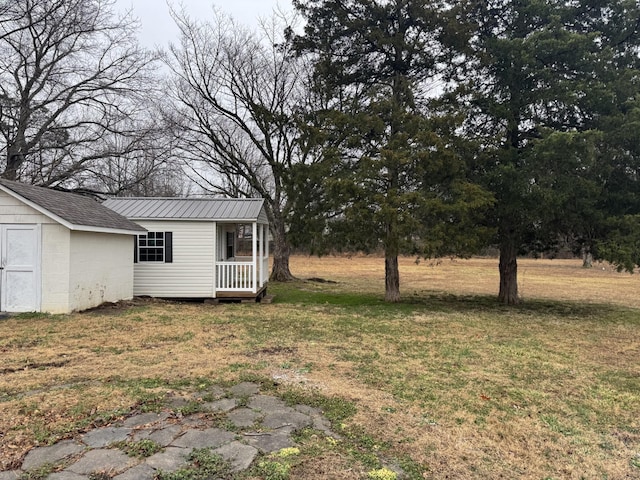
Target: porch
(242, 265)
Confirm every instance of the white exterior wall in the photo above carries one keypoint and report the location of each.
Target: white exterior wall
(55, 268)
(78, 270)
(53, 291)
(192, 272)
(14, 211)
(101, 269)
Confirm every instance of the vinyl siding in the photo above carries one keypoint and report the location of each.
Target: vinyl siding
(262, 217)
(191, 275)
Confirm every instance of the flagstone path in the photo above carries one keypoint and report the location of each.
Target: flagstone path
(252, 423)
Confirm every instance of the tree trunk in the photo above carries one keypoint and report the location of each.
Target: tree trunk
(391, 270)
(391, 279)
(11, 170)
(508, 273)
(15, 158)
(280, 270)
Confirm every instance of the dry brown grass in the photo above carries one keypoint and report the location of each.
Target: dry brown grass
(537, 278)
(458, 387)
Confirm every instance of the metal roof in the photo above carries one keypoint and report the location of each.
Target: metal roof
(218, 209)
(76, 212)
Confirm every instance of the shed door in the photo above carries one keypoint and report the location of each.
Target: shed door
(19, 290)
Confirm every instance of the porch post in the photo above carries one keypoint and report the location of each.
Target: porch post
(261, 257)
(254, 241)
(215, 260)
(265, 252)
(266, 248)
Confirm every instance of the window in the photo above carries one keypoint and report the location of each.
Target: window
(154, 247)
(244, 234)
(230, 244)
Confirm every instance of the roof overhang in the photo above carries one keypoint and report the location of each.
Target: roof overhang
(62, 221)
(209, 220)
(221, 210)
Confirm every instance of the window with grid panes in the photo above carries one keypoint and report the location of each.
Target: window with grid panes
(151, 247)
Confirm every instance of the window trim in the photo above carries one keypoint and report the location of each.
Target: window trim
(165, 249)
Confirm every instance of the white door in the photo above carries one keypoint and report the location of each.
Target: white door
(19, 286)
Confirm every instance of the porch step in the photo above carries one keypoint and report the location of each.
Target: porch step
(267, 299)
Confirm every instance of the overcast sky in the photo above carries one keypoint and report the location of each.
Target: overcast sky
(157, 27)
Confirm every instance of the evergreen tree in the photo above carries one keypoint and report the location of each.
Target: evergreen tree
(614, 101)
(535, 76)
(391, 178)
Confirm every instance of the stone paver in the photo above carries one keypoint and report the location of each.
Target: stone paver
(323, 425)
(270, 442)
(267, 423)
(145, 419)
(211, 392)
(307, 410)
(244, 417)
(53, 454)
(66, 475)
(239, 454)
(139, 472)
(12, 475)
(101, 437)
(163, 437)
(170, 460)
(193, 421)
(222, 405)
(209, 438)
(286, 418)
(266, 402)
(102, 460)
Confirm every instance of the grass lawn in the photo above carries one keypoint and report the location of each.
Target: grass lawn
(447, 384)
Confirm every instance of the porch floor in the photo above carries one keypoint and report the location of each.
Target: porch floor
(243, 297)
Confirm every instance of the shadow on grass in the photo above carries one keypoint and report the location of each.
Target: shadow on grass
(303, 293)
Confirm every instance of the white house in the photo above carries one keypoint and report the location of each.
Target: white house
(199, 247)
(61, 252)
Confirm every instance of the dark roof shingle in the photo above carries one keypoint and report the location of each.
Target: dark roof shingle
(75, 209)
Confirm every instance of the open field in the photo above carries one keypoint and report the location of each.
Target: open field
(447, 384)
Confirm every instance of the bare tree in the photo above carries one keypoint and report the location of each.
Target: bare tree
(238, 95)
(72, 77)
(144, 168)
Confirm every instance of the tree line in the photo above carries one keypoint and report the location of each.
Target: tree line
(407, 126)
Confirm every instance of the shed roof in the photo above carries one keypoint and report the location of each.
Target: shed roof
(218, 209)
(75, 212)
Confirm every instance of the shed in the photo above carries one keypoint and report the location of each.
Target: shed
(199, 247)
(61, 252)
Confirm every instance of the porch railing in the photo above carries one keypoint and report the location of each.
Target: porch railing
(234, 277)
